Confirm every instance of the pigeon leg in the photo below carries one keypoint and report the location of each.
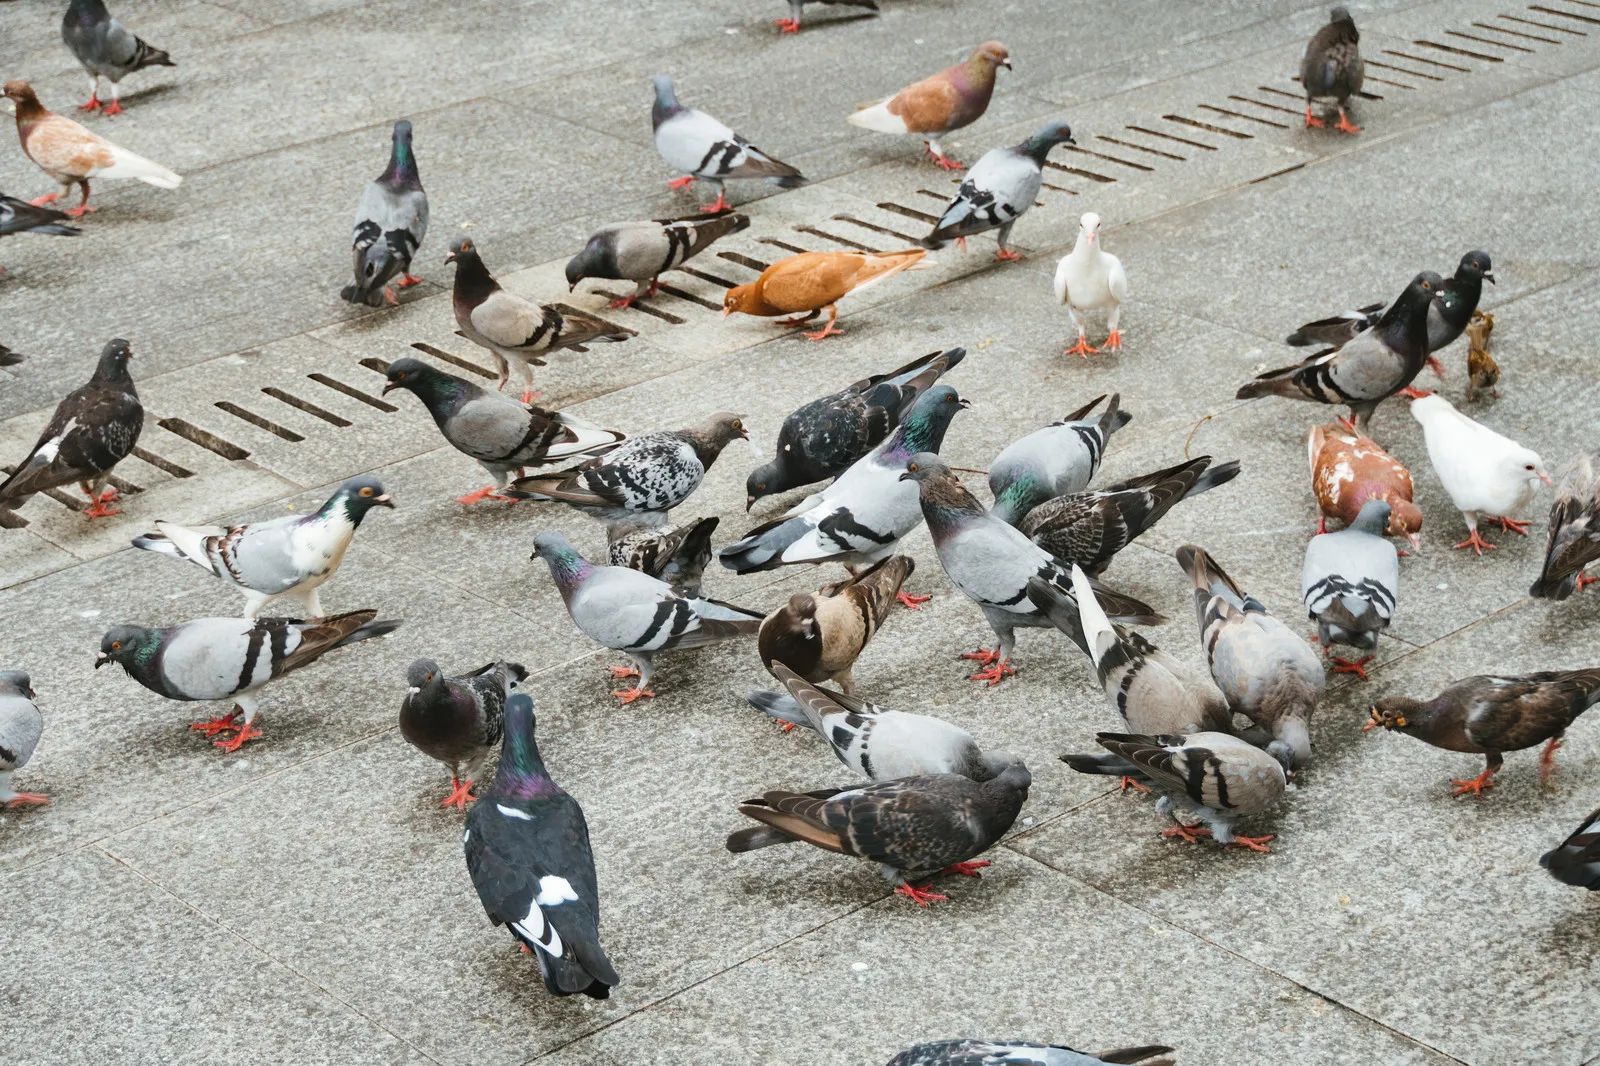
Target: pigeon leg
(99, 509)
(983, 655)
(83, 207)
(406, 280)
(1476, 785)
(115, 106)
(622, 301)
(460, 794)
(1547, 758)
(1584, 580)
(965, 869)
(620, 672)
(914, 602)
(1512, 525)
(530, 394)
(48, 198)
(1435, 366)
(213, 726)
(678, 183)
(94, 94)
(389, 297)
(1081, 348)
(1113, 341)
(994, 674)
(961, 242)
(920, 896)
(232, 745)
(720, 206)
(935, 153)
(1312, 120)
(629, 695)
(1189, 834)
(1128, 782)
(798, 320)
(1004, 254)
(1412, 393)
(1344, 125)
(831, 329)
(488, 492)
(1253, 843)
(787, 25)
(1322, 525)
(1352, 666)
(21, 799)
(1475, 542)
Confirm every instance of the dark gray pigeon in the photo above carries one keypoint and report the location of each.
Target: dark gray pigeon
(997, 191)
(677, 554)
(92, 430)
(501, 434)
(797, 7)
(106, 49)
(1574, 540)
(9, 357)
(915, 828)
(1027, 1053)
(458, 720)
(19, 216)
(1349, 584)
(1331, 67)
(641, 252)
(706, 150)
(528, 853)
(230, 659)
(391, 220)
(1577, 861)
(1059, 459)
(823, 438)
(21, 726)
(636, 614)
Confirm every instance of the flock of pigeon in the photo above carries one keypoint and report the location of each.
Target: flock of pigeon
(933, 800)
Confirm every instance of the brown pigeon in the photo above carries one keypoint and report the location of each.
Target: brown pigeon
(956, 96)
(813, 282)
(1348, 469)
(820, 635)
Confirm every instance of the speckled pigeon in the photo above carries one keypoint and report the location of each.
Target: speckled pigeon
(391, 221)
(458, 720)
(999, 190)
(677, 554)
(1059, 459)
(1331, 67)
(21, 726)
(641, 252)
(106, 50)
(706, 150)
(1349, 583)
(1577, 861)
(1027, 1053)
(1574, 540)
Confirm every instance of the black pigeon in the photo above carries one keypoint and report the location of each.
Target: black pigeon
(1577, 860)
(1027, 1053)
(106, 49)
(677, 554)
(915, 827)
(1331, 67)
(391, 220)
(457, 720)
(19, 216)
(1377, 364)
(9, 357)
(822, 439)
(528, 852)
(92, 431)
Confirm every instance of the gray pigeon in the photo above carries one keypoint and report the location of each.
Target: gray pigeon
(289, 556)
(1061, 458)
(706, 150)
(391, 220)
(230, 659)
(641, 252)
(1011, 579)
(875, 742)
(458, 720)
(106, 49)
(1577, 861)
(19, 216)
(21, 726)
(1331, 67)
(1574, 540)
(643, 479)
(797, 7)
(635, 613)
(1027, 1053)
(915, 828)
(1217, 777)
(677, 554)
(501, 434)
(1264, 669)
(1349, 584)
(92, 430)
(998, 190)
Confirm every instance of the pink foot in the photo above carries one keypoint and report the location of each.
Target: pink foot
(1113, 341)
(629, 695)
(1312, 120)
(787, 25)
(232, 744)
(993, 674)
(914, 602)
(1253, 843)
(99, 509)
(1344, 125)
(1547, 758)
(622, 301)
(1475, 542)
(49, 198)
(1475, 786)
(1081, 348)
(1189, 834)
(92, 105)
(620, 672)
(830, 330)
(460, 794)
(920, 896)
(530, 395)
(1352, 666)
(213, 726)
(964, 869)
(113, 108)
(678, 183)
(26, 799)
(1512, 525)
(1412, 393)
(488, 492)
(406, 281)
(1005, 255)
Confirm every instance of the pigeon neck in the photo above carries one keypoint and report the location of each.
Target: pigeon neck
(1018, 498)
(30, 112)
(436, 391)
(112, 369)
(1035, 148)
(1460, 299)
(666, 106)
(474, 283)
(567, 567)
(402, 165)
(921, 432)
(522, 774)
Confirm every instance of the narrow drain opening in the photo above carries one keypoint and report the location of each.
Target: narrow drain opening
(121, 485)
(896, 234)
(256, 420)
(1564, 14)
(654, 312)
(354, 393)
(380, 366)
(10, 519)
(1275, 174)
(1103, 179)
(775, 243)
(847, 242)
(1142, 148)
(1431, 62)
(1461, 51)
(1543, 25)
(1401, 70)
(911, 212)
(453, 360)
(209, 441)
(1485, 40)
(682, 294)
(1197, 124)
(1054, 188)
(159, 463)
(1173, 137)
(1112, 159)
(744, 261)
(1280, 92)
(1261, 104)
(307, 406)
(703, 276)
(1515, 33)
(1241, 114)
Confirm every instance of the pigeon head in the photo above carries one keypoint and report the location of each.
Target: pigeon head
(923, 427)
(666, 104)
(113, 365)
(521, 773)
(358, 496)
(420, 378)
(16, 683)
(1089, 227)
(589, 263)
(567, 565)
(991, 764)
(1292, 744)
(463, 251)
(1405, 324)
(402, 162)
(424, 676)
(1341, 14)
(1014, 778)
(22, 94)
(1475, 265)
(745, 299)
(1373, 517)
(715, 434)
(1517, 463)
(993, 54)
(1405, 520)
(768, 473)
(1048, 136)
(128, 645)
(1398, 713)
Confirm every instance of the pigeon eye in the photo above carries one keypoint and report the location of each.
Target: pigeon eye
(737, 424)
(366, 492)
(913, 468)
(116, 645)
(762, 487)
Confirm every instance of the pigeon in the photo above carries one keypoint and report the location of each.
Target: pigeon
(391, 220)
(1027, 1053)
(642, 479)
(1331, 67)
(527, 848)
(1577, 861)
(501, 434)
(458, 720)
(860, 518)
(1482, 371)
(19, 216)
(942, 103)
(1218, 778)
(998, 190)
(1574, 531)
(915, 828)
(289, 556)
(1059, 459)
(1349, 584)
(222, 659)
(516, 332)
(9, 357)
(677, 554)
(636, 614)
(704, 149)
(1089, 278)
(1263, 668)
(641, 252)
(875, 742)
(1089, 528)
(792, 23)
(21, 726)
(996, 567)
(819, 635)
(807, 284)
(71, 155)
(1488, 715)
(106, 50)
(93, 430)
(1485, 474)
(1348, 469)
(1377, 364)
(822, 439)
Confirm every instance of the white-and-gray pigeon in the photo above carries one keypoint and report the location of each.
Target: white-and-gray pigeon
(391, 220)
(21, 726)
(706, 150)
(1486, 474)
(1028, 1053)
(998, 190)
(458, 720)
(1349, 583)
(1061, 458)
(106, 50)
(641, 252)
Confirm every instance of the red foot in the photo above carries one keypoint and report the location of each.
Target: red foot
(49, 198)
(1113, 341)
(1002, 255)
(530, 395)
(99, 509)
(983, 655)
(1344, 125)
(213, 726)
(678, 183)
(1474, 786)
(914, 602)
(993, 674)
(720, 206)
(1128, 782)
(1081, 348)
(1312, 120)
(460, 794)
(389, 297)
(406, 281)
(920, 896)
(1253, 843)
(1475, 542)
(113, 108)
(635, 693)
(1322, 526)
(232, 744)
(1547, 758)
(24, 799)
(622, 301)
(964, 869)
(961, 242)
(1189, 834)
(488, 492)
(787, 25)
(92, 105)
(1412, 393)
(946, 163)
(1349, 423)
(1352, 666)
(1512, 525)
(620, 672)
(1583, 580)
(787, 727)
(79, 211)
(830, 330)
(1435, 366)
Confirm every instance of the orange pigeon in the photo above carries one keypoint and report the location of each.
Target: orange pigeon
(1348, 469)
(812, 282)
(72, 155)
(956, 96)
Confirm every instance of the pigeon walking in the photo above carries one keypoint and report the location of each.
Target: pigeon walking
(641, 252)
(501, 434)
(1574, 540)
(458, 720)
(1331, 67)
(19, 216)
(810, 283)
(1027, 1053)
(106, 50)
(528, 853)
(820, 635)
(1487, 475)
(939, 104)
(706, 150)
(1349, 583)
(677, 554)
(636, 614)
(21, 726)
(999, 190)
(1089, 278)
(230, 659)
(391, 220)
(796, 7)
(1577, 861)
(1059, 459)
(92, 430)
(1348, 469)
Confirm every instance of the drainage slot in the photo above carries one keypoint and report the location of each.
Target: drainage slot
(162, 464)
(1111, 159)
(1543, 25)
(209, 441)
(836, 240)
(655, 312)
(1054, 188)
(779, 244)
(703, 276)
(122, 486)
(1280, 92)
(1564, 14)
(1462, 51)
(454, 360)
(1173, 137)
(256, 420)
(896, 234)
(1240, 114)
(744, 261)
(10, 519)
(1401, 70)
(692, 298)
(1514, 33)
(377, 365)
(1142, 148)
(354, 393)
(1430, 62)
(1207, 127)
(906, 212)
(305, 405)
(1269, 107)
(1103, 179)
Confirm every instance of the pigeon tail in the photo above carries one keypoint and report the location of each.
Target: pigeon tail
(778, 705)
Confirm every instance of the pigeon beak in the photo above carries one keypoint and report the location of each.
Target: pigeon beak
(100, 659)
(749, 502)
(1006, 63)
(387, 389)
(450, 258)
(726, 311)
(1544, 477)
(1488, 276)
(1416, 541)
(905, 476)
(1370, 724)
(965, 404)
(384, 501)
(413, 690)
(572, 286)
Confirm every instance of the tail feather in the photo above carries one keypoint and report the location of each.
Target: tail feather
(125, 164)
(779, 705)
(146, 55)
(1104, 764)
(878, 118)
(1098, 635)
(1220, 474)
(369, 631)
(1113, 418)
(717, 610)
(757, 836)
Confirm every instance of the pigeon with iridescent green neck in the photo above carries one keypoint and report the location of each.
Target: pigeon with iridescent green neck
(1062, 457)
(391, 220)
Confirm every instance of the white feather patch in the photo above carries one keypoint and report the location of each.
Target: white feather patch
(512, 812)
(554, 891)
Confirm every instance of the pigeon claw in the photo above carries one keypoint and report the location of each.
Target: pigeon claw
(1547, 758)
(787, 727)
(678, 183)
(79, 211)
(232, 744)
(47, 198)
(1081, 348)
(213, 726)
(1003, 255)
(1412, 393)
(1312, 120)
(1189, 834)
(1344, 124)
(993, 674)
(1352, 666)
(1113, 341)
(1475, 542)
(920, 896)
(622, 301)
(25, 799)
(787, 25)
(1512, 525)
(1128, 782)
(914, 603)
(983, 655)
(1253, 843)
(947, 163)
(99, 509)
(965, 869)
(460, 794)
(92, 105)
(406, 281)
(720, 206)
(488, 492)
(1583, 580)
(620, 672)
(1436, 366)
(1475, 786)
(627, 696)
(113, 108)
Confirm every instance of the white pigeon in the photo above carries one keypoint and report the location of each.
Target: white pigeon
(21, 726)
(1485, 473)
(1089, 278)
